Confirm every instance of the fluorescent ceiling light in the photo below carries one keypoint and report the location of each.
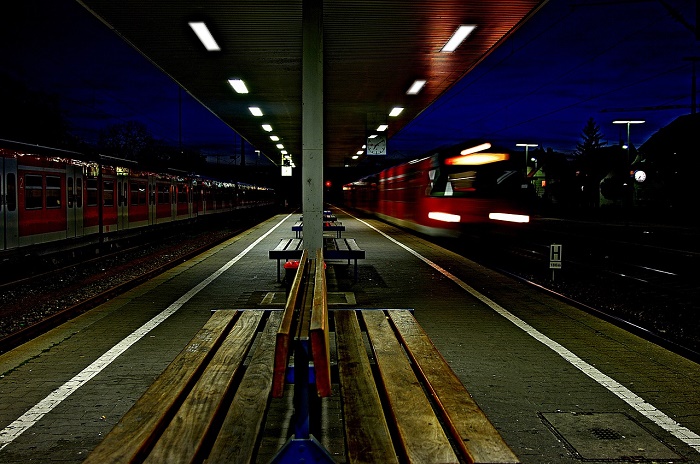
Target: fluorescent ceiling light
(416, 87)
(396, 111)
(458, 37)
(382, 127)
(267, 127)
(205, 36)
(255, 111)
(280, 146)
(284, 152)
(360, 152)
(274, 138)
(355, 157)
(475, 149)
(238, 85)
(372, 136)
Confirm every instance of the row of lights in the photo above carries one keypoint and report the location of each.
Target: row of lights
(451, 45)
(238, 85)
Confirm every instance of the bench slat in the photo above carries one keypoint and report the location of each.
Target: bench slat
(366, 431)
(319, 330)
(285, 329)
(238, 435)
(186, 433)
(419, 430)
(134, 433)
(470, 427)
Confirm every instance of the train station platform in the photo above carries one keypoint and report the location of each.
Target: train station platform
(560, 385)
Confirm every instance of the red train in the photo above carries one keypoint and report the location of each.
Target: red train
(55, 197)
(447, 192)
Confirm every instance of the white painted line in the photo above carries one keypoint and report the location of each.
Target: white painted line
(43, 407)
(684, 434)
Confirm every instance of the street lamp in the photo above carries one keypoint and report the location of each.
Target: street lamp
(527, 146)
(628, 133)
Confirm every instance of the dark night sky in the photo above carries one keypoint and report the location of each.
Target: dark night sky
(574, 60)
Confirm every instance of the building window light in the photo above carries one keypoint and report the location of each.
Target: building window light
(267, 127)
(238, 85)
(458, 37)
(255, 111)
(205, 36)
(416, 87)
(396, 111)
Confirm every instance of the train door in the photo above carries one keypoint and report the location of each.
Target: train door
(74, 200)
(122, 196)
(9, 216)
(151, 200)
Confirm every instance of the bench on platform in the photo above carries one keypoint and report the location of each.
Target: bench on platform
(400, 399)
(333, 248)
(328, 226)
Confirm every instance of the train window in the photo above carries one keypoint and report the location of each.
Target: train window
(181, 194)
(11, 192)
(33, 192)
(53, 192)
(108, 193)
(138, 193)
(91, 187)
(163, 194)
(79, 192)
(71, 186)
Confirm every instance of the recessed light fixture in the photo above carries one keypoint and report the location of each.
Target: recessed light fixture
(255, 111)
(458, 37)
(360, 152)
(382, 127)
(395, 111)
(284, 152)
(280, 146)
(355, 157)
(372, 136)
(238, 85)
(416, 87)
(204, 36)
(267, 127)
(274, 138)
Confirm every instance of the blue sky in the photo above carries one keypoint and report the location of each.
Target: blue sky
(575, 59)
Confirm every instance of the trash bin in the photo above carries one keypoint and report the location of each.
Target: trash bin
(290, 271)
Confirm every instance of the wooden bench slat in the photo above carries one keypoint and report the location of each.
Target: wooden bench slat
(185, 434)
(238, 435)
(134, 433)
(284, 331)
(366, 430)
(319, 330)
(470, 427)
(420, 433)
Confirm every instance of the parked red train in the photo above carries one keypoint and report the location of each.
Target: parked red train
(56, 197)
(447, 191)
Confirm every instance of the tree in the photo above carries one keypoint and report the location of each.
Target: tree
(129, 140)
(591, 137)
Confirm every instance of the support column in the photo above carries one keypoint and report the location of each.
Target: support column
(312, 123)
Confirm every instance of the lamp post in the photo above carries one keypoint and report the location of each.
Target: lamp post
(527, 146)
(628, 133)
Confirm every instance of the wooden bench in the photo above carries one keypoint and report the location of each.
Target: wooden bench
(333, 248)
(328, 226)
(400, 399)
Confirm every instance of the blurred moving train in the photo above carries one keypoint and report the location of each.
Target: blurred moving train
(447, 193)
(55, 197)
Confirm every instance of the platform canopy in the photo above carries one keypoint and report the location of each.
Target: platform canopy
(374, 51)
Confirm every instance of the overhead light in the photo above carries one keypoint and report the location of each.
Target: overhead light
(415, 87)
(396, 111)
(274, 138)
(364, 146)
(458, 37)
(355, 157)
(360, 152)
(372, 136)
(205, 36)
(238, 85)
(382, 127)
(255, 111)
(267, 127)
(280, 146)
(475, 149)
(629, 122)
(284, 152)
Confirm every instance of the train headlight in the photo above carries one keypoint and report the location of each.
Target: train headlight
(444, 217)
(509, 217)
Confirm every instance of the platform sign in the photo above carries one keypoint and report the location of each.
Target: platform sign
(554, 256)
